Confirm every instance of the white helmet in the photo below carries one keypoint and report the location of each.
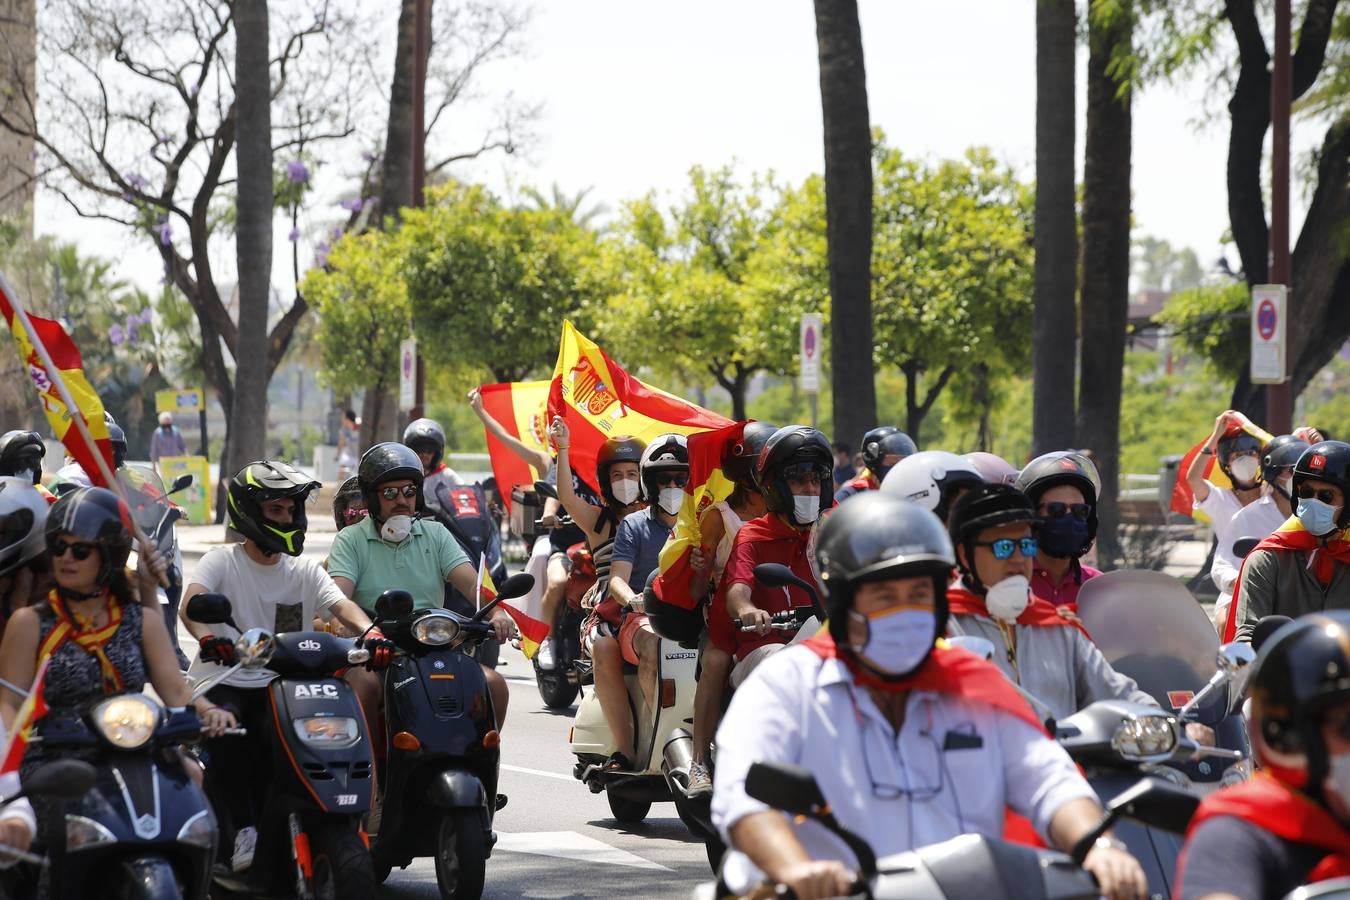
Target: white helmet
(23, 514)
(929, 478)
(665, 453)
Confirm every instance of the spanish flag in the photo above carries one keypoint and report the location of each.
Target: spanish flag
(522, 409)
(532, 631)
(1183, 500)
(66, 358)
(34, 707)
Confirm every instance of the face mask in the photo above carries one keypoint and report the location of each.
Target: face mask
(1244, 469)
(897, 642)
(625, 490)
(1063, 537)
(806, 509)
(1316, 516)
(396, 529)
(670, 500)
(1337, 784)
(1007, 599)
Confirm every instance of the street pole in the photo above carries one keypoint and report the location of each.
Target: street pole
(1279, 406)
(421, 40)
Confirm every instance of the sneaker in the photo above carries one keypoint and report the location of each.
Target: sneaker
(244, 842)
(545, 655)
(700, 782)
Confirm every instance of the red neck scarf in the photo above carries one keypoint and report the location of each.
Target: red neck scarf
(90, 639)
(1289, 538)
(1042, 613)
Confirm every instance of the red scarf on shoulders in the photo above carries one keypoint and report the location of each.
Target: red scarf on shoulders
(962, 602)
(1293, 537)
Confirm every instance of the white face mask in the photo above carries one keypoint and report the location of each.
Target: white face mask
(670, 500)
(806, 509)
(1009, 598)
(1244, 469)
(625, 490)
(396, 529)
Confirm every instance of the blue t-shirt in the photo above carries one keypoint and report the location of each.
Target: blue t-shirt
(639, 541)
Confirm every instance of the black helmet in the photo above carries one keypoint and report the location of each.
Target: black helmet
(21, 454)
(426, 436)
(94, 515)
(986, 506)
(259, 482)
(882, 442)
(1302, 668)
(666, 453)
(792, 447)
(1063, 467)
(118, 439)
(738, 457)
(347, 492)
(23, 513)
(388, 461)
(1327, 461)
(669, 620)
(1236, 441)
(1280, 454)
(612, 452)
(878, 536)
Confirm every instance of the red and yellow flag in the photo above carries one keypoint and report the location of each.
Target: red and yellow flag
(66, 358)
(34, 707)
(532, 631)
(522, 409)
(1183, 500)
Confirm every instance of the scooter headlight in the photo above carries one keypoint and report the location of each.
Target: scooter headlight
(127, 721)
(83, 833)
(199, 831)
(1147, 737)
(435, 630)
(328, 731)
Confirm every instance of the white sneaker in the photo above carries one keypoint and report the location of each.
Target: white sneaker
(244, 842)
(545, 654)
(700, 782)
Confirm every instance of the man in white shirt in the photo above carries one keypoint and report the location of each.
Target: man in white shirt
(911, 744)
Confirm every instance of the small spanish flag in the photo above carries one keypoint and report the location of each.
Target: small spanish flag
(532, 631)
(34, 707)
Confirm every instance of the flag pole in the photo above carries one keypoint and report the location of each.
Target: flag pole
(76, 415)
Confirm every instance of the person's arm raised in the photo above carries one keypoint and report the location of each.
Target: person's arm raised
(532, 456)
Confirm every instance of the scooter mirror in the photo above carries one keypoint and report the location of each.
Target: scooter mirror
(180, 482)
(210, 609)
(544, 489)
(784, 786)
(1156, 804)
(254, 648)
(1243, 547)
(393, 604)
(1234, 656)
(64, 779)
(981, 647)
(517, 585)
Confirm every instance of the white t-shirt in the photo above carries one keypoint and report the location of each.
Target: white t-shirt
(1255, 520)
(281, 597)
(1221, 504)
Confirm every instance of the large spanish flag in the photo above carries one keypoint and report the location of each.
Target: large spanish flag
(599, 400)
(65, 357)
(522, 409)
(1183, 500)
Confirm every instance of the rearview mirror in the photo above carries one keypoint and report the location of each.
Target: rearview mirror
(778, 575)
(393, 605)
(63, 779)
(1241, 548)
(254, 648)
(517, 585)
(981, 647)
(544, 489)
(1157, 805)
(784, 786)
(210, 609)
(180, 482)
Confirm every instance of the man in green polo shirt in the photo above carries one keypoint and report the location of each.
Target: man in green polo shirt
(391, 549)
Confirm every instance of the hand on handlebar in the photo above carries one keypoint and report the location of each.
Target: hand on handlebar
(14, 833)
(756, 620)
(216, 649)
(1201, 734)
(502, 625)
(381, 650)
(817, 879)
(217, 721)
(549, 521)
(1118, 873)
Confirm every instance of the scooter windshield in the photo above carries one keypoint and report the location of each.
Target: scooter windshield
(1149, 627)
(145, 495)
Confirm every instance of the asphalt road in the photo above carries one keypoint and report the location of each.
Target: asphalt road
(555, 838)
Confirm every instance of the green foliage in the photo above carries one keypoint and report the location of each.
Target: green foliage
(1214, 322)
(1162, 414)
(1158, 266)
(1325, 402)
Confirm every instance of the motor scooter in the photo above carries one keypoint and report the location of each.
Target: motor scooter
(967, 867)
(156, 514)
(439, 779)
(559, 685)
(310, 843)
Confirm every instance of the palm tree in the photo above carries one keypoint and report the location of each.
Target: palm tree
(848, 214)
(1054, 320)
(569, 205)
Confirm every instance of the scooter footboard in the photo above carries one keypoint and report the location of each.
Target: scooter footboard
(456, 790)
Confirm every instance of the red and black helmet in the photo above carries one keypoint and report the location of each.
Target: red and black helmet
(739, 456)
(1327, 461)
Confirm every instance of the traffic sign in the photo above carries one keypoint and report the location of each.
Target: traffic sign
(1269, 334)
(179, 400)
(811, 335)
(407, 374)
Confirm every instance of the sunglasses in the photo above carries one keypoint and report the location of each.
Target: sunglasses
(408, 490)
(354, 515)
(1326, 495)
(672, 479)
(1003, 547)
(1053, 509)
(81, 550)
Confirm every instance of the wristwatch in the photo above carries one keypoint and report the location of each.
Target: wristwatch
(1106, 842)
(1206, 451)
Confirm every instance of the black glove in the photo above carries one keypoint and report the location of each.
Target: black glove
(381, 650)
(217, 650)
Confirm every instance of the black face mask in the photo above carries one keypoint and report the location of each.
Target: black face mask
(1064, 537)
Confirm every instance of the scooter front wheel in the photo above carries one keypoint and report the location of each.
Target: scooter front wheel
(557, 690)
(626, 810)
(342, 864)
(461, 855)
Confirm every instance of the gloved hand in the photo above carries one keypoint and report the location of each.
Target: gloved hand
(381, 650)
(217, 649)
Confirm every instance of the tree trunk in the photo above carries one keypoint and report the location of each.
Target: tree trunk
(396, 174)
(253, 244)
(848, 212)
(1106, 264)
(1054, 321)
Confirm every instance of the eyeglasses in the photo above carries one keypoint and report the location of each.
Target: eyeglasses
(1326, 495)
(81, 550)
(671, 479)
(408, 490)
(1003, 547)
(1053, 509)
(886, 791)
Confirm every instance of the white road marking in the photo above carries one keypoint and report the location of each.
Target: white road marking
(540, 772)
(572, 846)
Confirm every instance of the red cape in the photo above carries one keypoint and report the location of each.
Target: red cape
(962, 602)
(1285, 813)
(1291, 537)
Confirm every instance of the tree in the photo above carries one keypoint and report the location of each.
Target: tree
(848, 204)
(1213, 322)
(952, 263)
(1054, 331)
(1106, 253)
(1157, 266)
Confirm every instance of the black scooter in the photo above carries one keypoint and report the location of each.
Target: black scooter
(439, 780)
(141, 829)
(310, 843)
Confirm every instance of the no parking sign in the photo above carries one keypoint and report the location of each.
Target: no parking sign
(1269, 334)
